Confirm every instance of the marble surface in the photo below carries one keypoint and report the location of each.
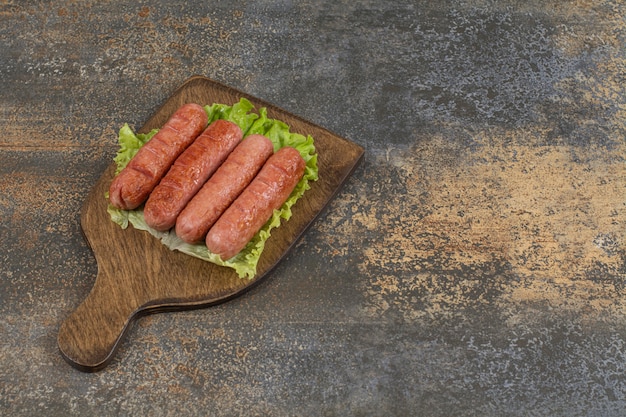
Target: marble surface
(473, 265)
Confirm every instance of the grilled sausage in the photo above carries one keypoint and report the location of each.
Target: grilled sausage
(255, 205)
(189, 173)
(223, 187)
(132, 186)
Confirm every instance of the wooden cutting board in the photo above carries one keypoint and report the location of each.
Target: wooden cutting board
(137, 275)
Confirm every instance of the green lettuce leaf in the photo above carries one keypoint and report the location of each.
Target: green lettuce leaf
(129, 145)
(241, 113)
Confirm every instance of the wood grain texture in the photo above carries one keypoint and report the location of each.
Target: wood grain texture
(137, 275)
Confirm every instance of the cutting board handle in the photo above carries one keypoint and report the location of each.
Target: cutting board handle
(89, 337)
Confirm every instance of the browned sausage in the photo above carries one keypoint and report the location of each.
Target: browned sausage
(132, 186)
(255, 205)
(223, 187)
(189, 173)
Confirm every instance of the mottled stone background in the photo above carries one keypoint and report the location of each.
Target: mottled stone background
(474, 265)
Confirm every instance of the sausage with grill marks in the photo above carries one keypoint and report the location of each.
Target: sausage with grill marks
(189, 173)
(223, 187)
(255, 205)
(132, 186)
